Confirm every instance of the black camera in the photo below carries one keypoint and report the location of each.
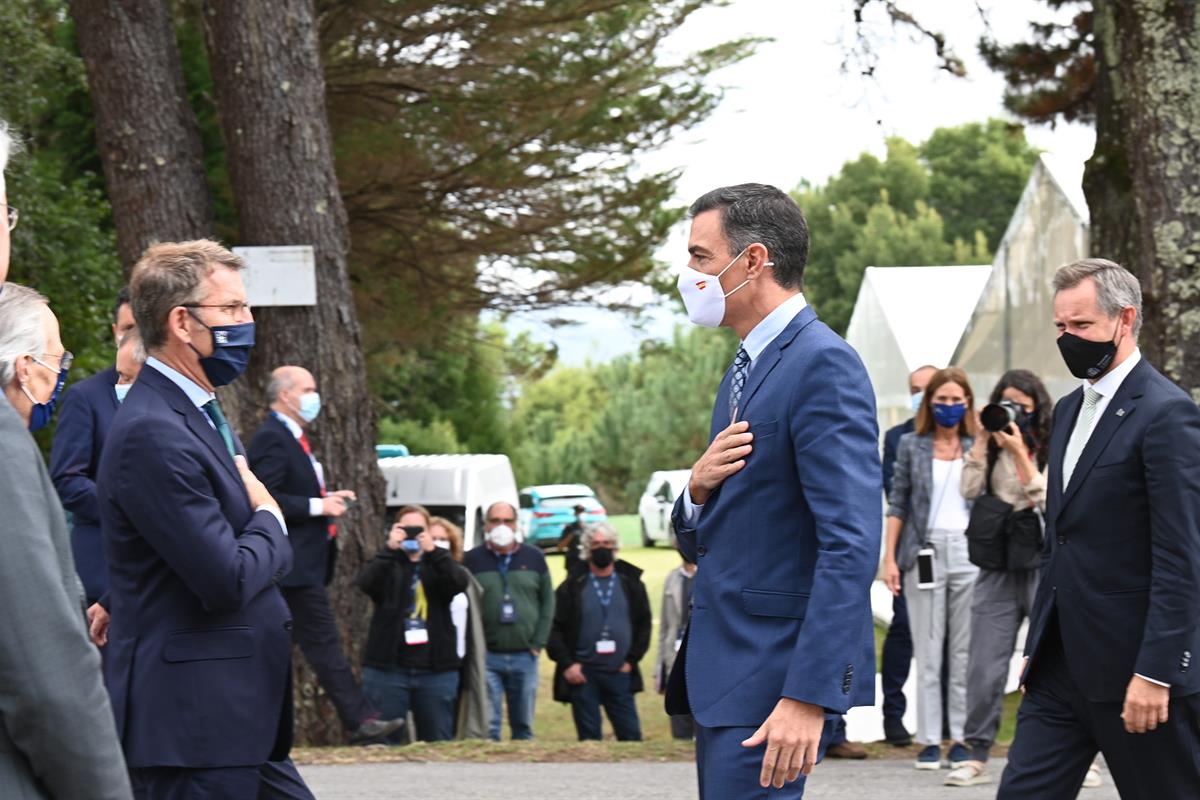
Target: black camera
(997, 416)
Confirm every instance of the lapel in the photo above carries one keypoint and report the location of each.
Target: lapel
(1119, 408)
(720, 415)
(297, 451)
(195, 419)
(108, 382)
(925, 464)
(769, 358)
(1064, 421)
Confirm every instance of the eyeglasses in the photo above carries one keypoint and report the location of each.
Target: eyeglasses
(13, 216)
(232, 309)
(64, 361)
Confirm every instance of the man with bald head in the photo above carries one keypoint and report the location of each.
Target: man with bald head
(283, 459)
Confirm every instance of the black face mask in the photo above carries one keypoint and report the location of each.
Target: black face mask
(1086, 358)
(602, 557)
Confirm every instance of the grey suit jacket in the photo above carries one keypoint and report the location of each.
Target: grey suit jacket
(912, 490)
(57, 735)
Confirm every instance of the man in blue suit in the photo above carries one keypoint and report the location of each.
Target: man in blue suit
(1116, 621)
(87, 412)
(200, 637)
(781, 514)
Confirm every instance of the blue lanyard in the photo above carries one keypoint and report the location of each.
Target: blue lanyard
(605, 598)
(502, 565)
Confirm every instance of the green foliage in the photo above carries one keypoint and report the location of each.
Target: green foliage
(611, 425)
(421, 438)
(945, 202)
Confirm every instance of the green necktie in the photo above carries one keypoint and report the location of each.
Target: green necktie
(213, 409)
(1080, 434)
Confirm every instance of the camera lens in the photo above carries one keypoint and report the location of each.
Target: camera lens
(996, 416)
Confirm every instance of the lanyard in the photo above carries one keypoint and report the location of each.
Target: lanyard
(605, 598)
(503, 562)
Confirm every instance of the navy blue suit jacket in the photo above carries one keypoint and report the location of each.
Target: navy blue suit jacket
(1122, 565)
(788, 546)
(86, 413)
(200, 641)
(279, 461)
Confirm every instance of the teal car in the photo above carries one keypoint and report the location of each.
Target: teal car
(546, 510)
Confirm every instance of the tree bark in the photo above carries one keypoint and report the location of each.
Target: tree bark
(271, 98)
(1143, 184)
(146, 132)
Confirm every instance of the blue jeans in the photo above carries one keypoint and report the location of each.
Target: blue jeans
(513, 676)
(431, 696)
(610, 689)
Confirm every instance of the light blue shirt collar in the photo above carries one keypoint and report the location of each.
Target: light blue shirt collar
(194, 391)
(772, 325)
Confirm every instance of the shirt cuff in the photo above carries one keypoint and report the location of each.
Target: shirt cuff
(316, 507)
(276, 513)
(691, 511)
(1156, 683)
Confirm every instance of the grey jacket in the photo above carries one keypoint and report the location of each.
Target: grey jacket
(473, 708)
(912, 490)
(674, 604)
(57, 735)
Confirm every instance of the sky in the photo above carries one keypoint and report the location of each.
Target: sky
(790, 112)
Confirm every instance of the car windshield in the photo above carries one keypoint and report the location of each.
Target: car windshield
(569, 502)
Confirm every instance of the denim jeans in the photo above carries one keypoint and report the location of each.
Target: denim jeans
(610, 689)
(513, 676)
(431, 696)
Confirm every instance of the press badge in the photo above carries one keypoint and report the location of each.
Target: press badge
(606, 647)
(415, 632)
(508, 611)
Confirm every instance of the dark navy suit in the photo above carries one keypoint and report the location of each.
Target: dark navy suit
(1119, 595)
(86, 413)
(787, 549)
(279, 461)
(200, 640)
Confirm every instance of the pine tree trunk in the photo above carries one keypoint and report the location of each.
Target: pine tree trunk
(1143, 184)
(146, 132)
(271, 96)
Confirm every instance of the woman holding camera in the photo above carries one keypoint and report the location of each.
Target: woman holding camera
(1007, 462)
(411, 661)
(927, 550)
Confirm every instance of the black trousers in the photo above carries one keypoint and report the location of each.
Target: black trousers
(275, 780)
(314, 628)
(1059, 731)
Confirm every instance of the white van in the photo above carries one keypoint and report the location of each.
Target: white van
(457, 487)
(658, 499)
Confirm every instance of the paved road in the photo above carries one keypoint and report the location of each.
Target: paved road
(838, 780)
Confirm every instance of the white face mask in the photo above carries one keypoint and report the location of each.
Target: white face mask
(441, 543)
(122, 389)
(501, 536)
(915, 401)
(702, 295)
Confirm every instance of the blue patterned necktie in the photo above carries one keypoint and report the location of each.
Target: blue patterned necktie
(741, 368)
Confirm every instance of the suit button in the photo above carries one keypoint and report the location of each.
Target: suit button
(287, 626)
(1061, 540)
(701, 550)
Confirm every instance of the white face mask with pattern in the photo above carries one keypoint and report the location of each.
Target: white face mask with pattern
(702, 295)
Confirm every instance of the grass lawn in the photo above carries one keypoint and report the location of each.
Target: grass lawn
(555, 731)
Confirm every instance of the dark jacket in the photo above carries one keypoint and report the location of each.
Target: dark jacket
(387, 580)
(199, 651)
(891, 446)
(1122, 550)
(86, 413)
(568, 615)
(278, 460)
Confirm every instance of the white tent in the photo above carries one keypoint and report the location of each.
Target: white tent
(907, 317)
(1013, 325)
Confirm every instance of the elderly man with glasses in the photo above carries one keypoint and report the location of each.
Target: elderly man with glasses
(517, 608)
(57, 736)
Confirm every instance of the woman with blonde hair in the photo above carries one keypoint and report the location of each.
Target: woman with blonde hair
(926, 552)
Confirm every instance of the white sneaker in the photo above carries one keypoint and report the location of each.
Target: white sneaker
(1093, 779)
(972, 773)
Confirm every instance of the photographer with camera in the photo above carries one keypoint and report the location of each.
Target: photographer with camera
(411, 660)
(1005, 476)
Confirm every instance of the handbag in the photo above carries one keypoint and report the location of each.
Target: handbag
(987, 530)
(1023, 531)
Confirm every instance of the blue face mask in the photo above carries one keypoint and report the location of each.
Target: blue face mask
(232, 345)
(310, 406)
(42, 413)
(949, 415)
(122, 389)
